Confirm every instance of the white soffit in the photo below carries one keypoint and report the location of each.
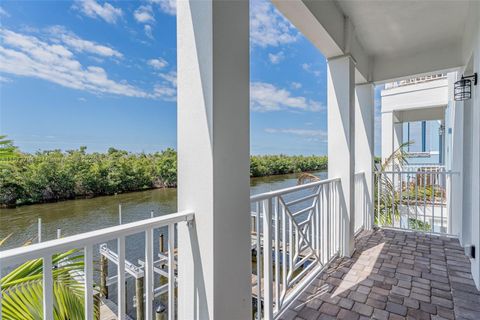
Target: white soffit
(391, 39)
(398, 28)
(409, 37)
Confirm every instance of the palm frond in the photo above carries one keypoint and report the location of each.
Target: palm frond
(398, 157)
(22, 289)
(306, 177)
(7, 149)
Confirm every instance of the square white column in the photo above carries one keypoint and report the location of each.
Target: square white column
(392, 135)
(341, 142)
(213, 159)
(364, 149)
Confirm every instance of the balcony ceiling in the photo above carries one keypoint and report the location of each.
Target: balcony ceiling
(401, 27)
(389, 40)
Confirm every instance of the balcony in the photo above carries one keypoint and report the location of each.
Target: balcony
(402, 270)
(343, 247)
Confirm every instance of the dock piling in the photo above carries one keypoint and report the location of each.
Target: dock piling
(139, 297)
(103, 276)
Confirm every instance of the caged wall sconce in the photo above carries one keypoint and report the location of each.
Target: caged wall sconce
(463, 87)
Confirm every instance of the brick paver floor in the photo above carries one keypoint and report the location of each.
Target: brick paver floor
(393, 275)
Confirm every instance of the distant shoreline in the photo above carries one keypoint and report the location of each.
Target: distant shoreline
(54, 176)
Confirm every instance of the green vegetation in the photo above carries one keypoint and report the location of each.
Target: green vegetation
(54, 175)
(387, 207)
(22, 289)
(7, 150)
(272, 165)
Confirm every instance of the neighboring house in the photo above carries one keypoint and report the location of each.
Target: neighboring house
(416, 110)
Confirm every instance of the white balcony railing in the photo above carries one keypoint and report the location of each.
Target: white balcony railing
(86, 242)
(296, 232)
(363, 203)
(415, 199)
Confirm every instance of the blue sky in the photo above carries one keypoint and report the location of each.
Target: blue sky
(103, 74)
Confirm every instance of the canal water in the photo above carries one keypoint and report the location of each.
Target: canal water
(77, 216)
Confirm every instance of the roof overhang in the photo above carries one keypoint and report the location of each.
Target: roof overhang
(388, 40)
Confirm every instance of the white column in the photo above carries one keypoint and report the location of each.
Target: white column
(387, 134)
(341, 140)
(364, 148)
(213, 159)
(392, 134)
(454, 153)
(397, 134)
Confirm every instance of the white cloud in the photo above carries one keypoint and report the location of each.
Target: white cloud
(276, 58)
(29, 56)
(93, 9)
(296, 85)
(167, 6)
(4, 13)
(148, 31)
(309, 68)
(170, 77)
(167, 90)
(158, 63)
(144, 14)
(309, 133)
(81, 45)
(4, 79)
(267, 97)
(268, 27)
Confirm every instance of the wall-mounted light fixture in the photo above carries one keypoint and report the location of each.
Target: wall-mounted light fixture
(463, 87)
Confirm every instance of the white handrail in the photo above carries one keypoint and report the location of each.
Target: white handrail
(38, 250)
(274, 193)
(414, 172)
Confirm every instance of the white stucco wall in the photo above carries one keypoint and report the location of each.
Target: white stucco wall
(416, 96)
(471, 141)
(475, 150)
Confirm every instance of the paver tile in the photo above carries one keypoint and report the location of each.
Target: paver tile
(393, 275)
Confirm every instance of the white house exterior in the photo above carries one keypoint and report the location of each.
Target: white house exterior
(415, 101)
(366, 43)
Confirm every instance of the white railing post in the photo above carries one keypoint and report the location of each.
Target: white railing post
(277, 254)
(39, 230)
(88, 258)
(121, 278)
(267, 259)
(148, 274)
(47, 288)
(258, 246)
(171, 272)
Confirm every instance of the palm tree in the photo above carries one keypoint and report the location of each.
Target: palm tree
(22, 289)
(389, 198)
(7, 149)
